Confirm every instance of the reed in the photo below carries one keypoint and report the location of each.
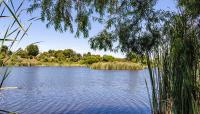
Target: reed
(117, 66)
(175, 82)
(12, 33)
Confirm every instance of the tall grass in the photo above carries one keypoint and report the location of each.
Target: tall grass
(176, 80)
(117, 66)
(10, 35)
(13, 33)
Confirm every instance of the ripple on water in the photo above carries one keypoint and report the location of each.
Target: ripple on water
(49, 91)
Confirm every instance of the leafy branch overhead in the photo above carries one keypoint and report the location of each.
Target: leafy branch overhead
(69, 14)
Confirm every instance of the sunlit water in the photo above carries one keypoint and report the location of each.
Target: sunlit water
(75, 90)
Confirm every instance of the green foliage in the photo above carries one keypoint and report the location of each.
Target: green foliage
(67, 57)
(131, 56)
(1, 62)
(4, 49)
(103, 41)
(87, 54)
(191, 7)
(4, 53)
(1, 59)
(59, 13)
(68, 53)
(108, 58)
(12, 31)
(91, 59)
(32, 50)
(183, 64)
(76, 58)
(22, 53)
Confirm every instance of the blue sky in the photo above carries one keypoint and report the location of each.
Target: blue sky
(56, 40)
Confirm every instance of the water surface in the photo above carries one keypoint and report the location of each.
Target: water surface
(75, 90)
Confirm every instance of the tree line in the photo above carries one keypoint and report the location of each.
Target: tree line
(61, 56)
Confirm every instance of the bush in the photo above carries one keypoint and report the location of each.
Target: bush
(108, 58)
(91, 59)
(4, 49)
(22, 53)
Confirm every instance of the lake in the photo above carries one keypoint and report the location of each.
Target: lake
(75, 90)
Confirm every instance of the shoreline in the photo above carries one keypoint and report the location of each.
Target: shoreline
(95, 66)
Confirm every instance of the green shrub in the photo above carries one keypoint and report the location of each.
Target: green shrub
(22, 53)
(91, 59)
(1, 62)
(108, 58)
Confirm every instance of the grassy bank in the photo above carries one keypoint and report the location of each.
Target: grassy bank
(38, 63)
(30, 56)
(63, 64)
(99, 65)
(117, 66)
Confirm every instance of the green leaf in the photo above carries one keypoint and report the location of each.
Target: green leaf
(7, 39)
(4, 37)
(15, 17)
(12, 32)
(12, 5)
(4, 16)
(25, 32)
(3, 11)
(20, 6)
(15, 39)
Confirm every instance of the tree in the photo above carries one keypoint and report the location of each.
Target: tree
(130, 56)
(191, 7)
(22, 53)
(68, 53)
(4, 49)
(108, 58)
(76, 58)
(91, 59)
(87, 54)
(32, 50)
(59, 55)
(59, 13)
